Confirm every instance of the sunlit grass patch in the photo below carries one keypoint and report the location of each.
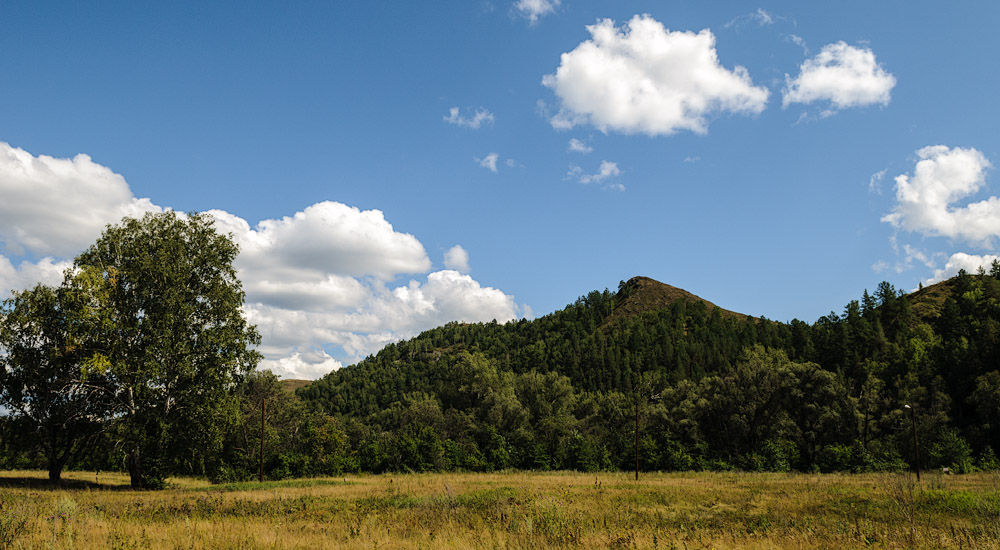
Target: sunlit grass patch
(266, 485)
(511, 510)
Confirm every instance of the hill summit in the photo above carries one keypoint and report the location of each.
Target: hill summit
(641, 294)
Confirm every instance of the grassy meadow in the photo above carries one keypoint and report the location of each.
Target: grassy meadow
(507, 510)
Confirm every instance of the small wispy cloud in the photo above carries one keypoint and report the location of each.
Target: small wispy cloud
(607, 171)
(480, 117)
(577, 146)
(875, 183)
(690, 159)
(489, 162)
(761, 17)
(913, 255)
(534, 10)
(798, 41)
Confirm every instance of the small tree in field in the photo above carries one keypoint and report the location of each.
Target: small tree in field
(43, 332)
(172, 341)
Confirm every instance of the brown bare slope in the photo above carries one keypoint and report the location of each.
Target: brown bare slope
(291, 384)
(643, 294)
(927, 302)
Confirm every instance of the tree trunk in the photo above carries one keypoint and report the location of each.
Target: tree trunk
(55, 462)
(55, 469)
(135, 469)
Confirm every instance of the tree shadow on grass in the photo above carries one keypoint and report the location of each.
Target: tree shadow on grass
(43, 484)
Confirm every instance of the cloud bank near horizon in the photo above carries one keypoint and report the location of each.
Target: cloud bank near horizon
(330, 277)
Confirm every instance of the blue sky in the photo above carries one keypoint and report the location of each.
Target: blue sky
(856, 144)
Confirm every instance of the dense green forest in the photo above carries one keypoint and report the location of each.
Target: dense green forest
(712, 389)
(158, 379)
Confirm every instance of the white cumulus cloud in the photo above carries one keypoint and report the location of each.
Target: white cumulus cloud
(310, 364)
(644, 78)
(479, 117)
(317, 282)
(457, 258)
(925, 200)
(535, 9)
(843, 75)
(57, 207)
(327, 237)
(961, 260)
(27, 274)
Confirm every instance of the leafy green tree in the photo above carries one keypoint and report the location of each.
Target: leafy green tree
(42, 333)
(283, 419)
(986, 400)
(173, 341)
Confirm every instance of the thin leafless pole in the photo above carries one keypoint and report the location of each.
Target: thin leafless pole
(637, 439)
(916, 452)
(263, 413)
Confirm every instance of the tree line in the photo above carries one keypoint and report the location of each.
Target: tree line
(141, 361)
(711, 390)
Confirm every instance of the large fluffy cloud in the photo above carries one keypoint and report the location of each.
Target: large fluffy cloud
(319, 283)
(293, 338)
(942, 177)
(56, 207)
(327, 238)
(644, 78)
(843, 75)
(961, 260)
(26, 274)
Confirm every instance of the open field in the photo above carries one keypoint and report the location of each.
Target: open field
(507, 510)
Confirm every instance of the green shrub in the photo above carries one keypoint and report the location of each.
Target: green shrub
(949, 450)
(988, 460)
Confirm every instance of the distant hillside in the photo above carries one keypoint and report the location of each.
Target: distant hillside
(734, 391)
(927, 302)
(602, 342)
(292, 384)
(641, 294)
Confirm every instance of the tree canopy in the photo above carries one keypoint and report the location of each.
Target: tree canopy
(144, 339)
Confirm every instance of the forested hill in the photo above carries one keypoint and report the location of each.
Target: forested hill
(601, 342)
(728, 389)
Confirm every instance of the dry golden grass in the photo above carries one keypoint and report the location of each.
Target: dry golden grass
(507, 510)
